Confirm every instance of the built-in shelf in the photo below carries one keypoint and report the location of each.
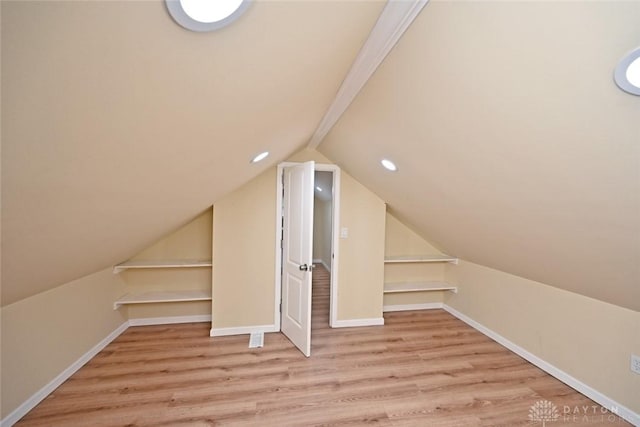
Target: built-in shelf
(392, 288)
(420, 258)
(180, 263)
(162, 296)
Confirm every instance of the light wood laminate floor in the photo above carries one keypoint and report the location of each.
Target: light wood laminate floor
(423, 368)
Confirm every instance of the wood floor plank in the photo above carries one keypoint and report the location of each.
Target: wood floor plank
(423, 368)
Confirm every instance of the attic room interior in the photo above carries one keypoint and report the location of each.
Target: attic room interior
(310, 212)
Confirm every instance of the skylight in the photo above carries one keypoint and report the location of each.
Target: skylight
(627, 73)
(209, 11)
(205, 15)
(633, 72)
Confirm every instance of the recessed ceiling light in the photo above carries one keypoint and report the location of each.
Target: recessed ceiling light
(260, 156)
(205, 15)
(318, 188)
(389, 165)
(627, 73)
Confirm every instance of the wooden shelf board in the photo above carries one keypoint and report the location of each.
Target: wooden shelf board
(161, 296)
(391, 288)
(180, 263)
(420, 258)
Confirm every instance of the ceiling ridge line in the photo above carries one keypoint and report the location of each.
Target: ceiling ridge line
(395, 19)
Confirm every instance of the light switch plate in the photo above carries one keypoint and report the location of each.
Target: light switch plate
(344, 232)
(635, 363)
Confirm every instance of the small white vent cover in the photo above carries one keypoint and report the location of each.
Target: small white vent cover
(256, 340)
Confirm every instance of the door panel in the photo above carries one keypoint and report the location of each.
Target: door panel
(294, 291)
(297, 252)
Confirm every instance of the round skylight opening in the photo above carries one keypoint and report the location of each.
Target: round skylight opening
(633, 72)
(260, 157)
(211, 10)
(389, 165)
(627, 73)
(205, 15)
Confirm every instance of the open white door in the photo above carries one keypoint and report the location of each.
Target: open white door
(297, 254)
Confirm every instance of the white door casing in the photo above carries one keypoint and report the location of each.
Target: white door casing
(297, 254)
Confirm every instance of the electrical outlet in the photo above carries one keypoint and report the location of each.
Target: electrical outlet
(635, 363)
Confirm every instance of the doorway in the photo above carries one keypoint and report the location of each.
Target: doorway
(322, 247)
(327, 252)
(322, 219)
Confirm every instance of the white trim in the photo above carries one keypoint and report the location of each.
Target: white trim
(278, 247)
(391, 25)
(420, 258)
(147, 321)
(242, 330)
(45, 391)
(335, 239)
(410, 307)
(162, 297)
(174, 263)
(351, 323)
(578, 385)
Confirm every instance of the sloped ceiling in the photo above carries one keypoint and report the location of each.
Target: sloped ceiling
(119, 126)
(515, 148)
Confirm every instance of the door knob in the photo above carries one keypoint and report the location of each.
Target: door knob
(304, 267)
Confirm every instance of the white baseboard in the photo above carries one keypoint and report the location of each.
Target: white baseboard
(242, 330)
(41, 394)
(351, 323)
(319, 261)
(410, 307)
(147, 321)
(578, 385)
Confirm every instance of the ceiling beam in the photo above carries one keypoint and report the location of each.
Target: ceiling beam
(394, 20)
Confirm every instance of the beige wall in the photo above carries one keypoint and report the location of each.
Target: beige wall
(586, 338)
(44, 334)
(322, 230)
(529, 166)
(361, 262)
(192, 241)
(405, 298)
(244, 247)
(400, 240)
